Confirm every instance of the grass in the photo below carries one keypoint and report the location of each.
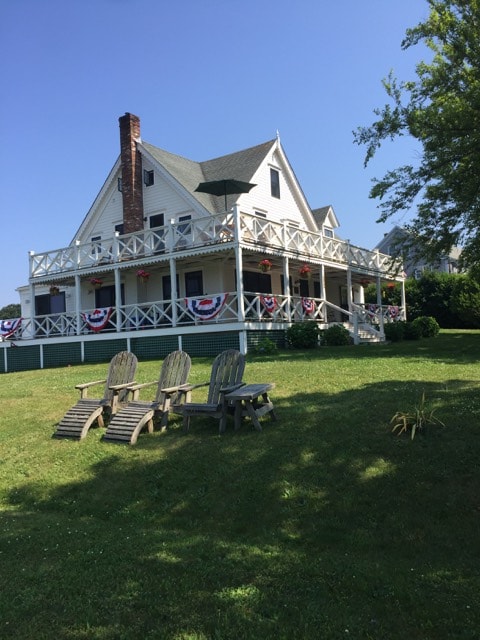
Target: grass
(325, 525)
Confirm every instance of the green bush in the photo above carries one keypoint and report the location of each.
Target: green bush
(412, 331)
(265, 346)
(394, 331)
(427, 325)
(336, 336)
(303, 335)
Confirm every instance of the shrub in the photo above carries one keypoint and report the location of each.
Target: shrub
(303, 335)
(336, 336)
(265, 346)
(427, 326)
(412, 331)
(394, 331)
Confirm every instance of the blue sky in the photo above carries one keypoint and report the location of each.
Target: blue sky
(206, 78)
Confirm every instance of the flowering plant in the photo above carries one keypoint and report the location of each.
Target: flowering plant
(96, 282)
(54, 290)
(141, 273)
(305, 270)
(265, 264)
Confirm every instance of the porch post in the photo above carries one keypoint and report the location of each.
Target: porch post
(379, 305)
(174, 292)
(286, 287)
(77, 303)
(32, 310)
(118, 299)
(349, 290)
(404, 301)
(238, 265)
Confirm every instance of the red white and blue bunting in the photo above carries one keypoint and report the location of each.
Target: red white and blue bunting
(205, 308)
(8, 327)
(308, 305)
(98, 319)
(269, 302)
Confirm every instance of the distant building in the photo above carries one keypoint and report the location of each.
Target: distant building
(396, 243)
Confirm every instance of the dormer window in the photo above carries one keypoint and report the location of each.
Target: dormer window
(275, 183)
(328, 232)
(148, 178)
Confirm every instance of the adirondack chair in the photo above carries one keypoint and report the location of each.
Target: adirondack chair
(226, 376)
(78, 420)
(128, 423)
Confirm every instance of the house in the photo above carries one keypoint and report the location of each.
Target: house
(158, 263)
(398, 242)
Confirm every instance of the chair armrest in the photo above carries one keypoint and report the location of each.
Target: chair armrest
(180, 387)
(118, 387)
(83, 388)
(233, 387)
(134, 388)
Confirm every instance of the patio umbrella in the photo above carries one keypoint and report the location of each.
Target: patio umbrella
(224, 187)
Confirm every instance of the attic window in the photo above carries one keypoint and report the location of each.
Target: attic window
(275, 183)
(119, 184)
(148, 178)
(328, 232)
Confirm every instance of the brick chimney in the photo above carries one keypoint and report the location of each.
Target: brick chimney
(132, 188)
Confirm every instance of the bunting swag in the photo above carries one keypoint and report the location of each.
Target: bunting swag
(308, 305)
(269, 302)
(98, 319)
(205, 308)
(8, 327)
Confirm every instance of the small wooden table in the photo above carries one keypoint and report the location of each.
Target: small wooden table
(247, 403)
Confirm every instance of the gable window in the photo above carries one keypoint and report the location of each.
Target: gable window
(119, 184)
(148, 178)
(275, 183)
(327, 232)
(96, 245)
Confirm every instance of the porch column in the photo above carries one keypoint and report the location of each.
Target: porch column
(238, 265)
(118, 299)
(349, 290)
(174, 292)
(323, 293)
(32, 301)
(77, 304)
(286, 287)
(379, 305)
(403, 300)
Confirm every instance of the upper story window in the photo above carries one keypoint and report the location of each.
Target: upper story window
(148, 178)
(275, 183)
(328, 232)
(119, 228)
(119, 184)
(96, 244)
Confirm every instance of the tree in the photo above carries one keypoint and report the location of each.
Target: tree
(441, 110)
(10, 311)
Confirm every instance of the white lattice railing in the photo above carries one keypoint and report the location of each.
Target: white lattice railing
(193, 234)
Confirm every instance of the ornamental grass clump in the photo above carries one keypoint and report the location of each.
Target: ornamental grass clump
(416, 420)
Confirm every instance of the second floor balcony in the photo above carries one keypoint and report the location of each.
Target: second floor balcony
(212, 233)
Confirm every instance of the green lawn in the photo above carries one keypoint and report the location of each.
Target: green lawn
(323, 526)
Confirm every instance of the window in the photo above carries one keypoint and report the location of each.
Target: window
(148, 178)
(193, 284)
(275, 183)
(328, 232)
(156, 220)
(96, 245)
(119, 184)
(158, 241)
(119, 229)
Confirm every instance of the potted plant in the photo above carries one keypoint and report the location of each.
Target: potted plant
(143, 275)
(96, 283)
(265, 265)
(54, 290)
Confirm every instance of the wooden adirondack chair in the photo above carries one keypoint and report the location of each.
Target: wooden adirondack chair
(128, 423)
(78, 420)
(227, 372)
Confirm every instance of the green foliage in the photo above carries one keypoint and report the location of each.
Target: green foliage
(303, 335)
(10, 311)
(427, 326)
(266, 347)
(412, 331)
(416, 420)
(440, 110)
(394, 331)
(336, 336)
(465, 301)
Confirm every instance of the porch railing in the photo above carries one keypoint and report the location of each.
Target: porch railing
(193, 234)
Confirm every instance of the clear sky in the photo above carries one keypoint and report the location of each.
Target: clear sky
(206, 78)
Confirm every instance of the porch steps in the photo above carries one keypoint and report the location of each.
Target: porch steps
(366, 335)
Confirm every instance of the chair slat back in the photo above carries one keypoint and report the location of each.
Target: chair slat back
(123, 367)
(174, 372)
(227, 370)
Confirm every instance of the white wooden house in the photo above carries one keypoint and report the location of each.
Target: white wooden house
(156, 264)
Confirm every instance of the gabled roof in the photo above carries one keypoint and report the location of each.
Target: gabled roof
(240, 165)
(325, 215)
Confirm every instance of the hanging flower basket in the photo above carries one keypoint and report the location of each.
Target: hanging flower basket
(364, 282)
(96, 283)
(391, 285)
(54, 290)
(143, 275)
(305, 271)
(265, 265)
